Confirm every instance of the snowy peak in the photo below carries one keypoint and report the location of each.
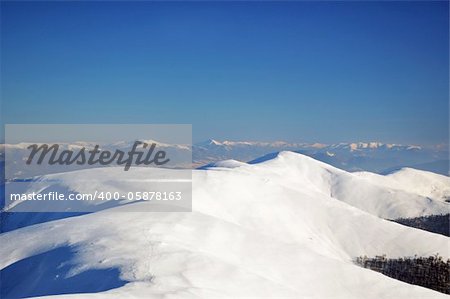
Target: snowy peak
(378, 145)
(209, 142)
(404, 194)
(290, 159)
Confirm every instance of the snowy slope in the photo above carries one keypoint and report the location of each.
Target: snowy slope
(362, 191)
(415, 181)
(288, 227)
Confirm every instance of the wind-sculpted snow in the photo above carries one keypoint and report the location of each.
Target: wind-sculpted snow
(289, 227)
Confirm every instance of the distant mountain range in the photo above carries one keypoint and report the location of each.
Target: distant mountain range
(360, 156)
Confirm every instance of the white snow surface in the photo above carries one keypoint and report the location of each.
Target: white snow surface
(289, 227)
(415, 181)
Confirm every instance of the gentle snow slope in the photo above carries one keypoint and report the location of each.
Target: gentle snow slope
(273, 229)
(415, 181)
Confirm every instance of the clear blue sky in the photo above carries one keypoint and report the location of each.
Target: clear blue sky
(296, 71)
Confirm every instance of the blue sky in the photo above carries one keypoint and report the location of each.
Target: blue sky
(296, 71)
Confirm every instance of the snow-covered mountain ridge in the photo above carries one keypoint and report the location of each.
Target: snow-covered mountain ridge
(287, 227)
